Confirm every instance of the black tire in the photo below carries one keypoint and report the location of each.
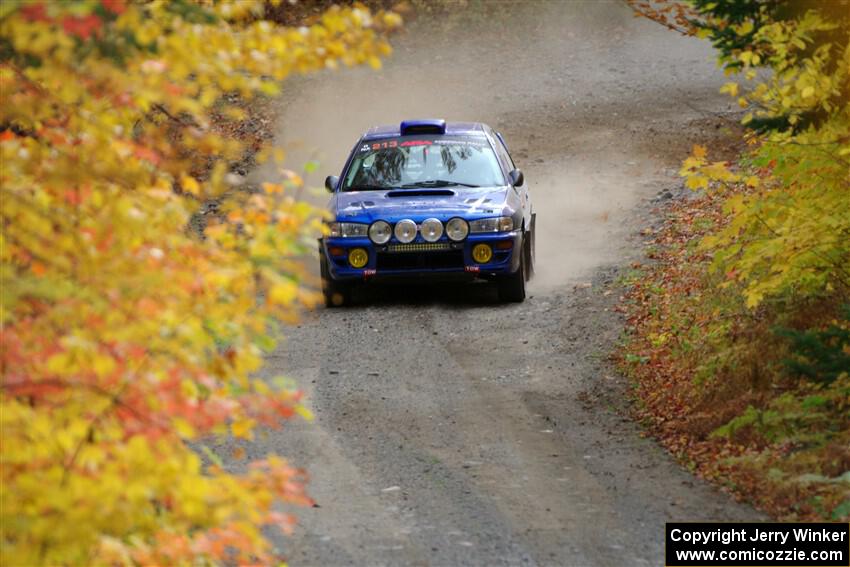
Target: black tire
(531, 239)
(512, 287)
(336, 294)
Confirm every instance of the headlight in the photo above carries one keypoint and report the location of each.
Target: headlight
(380, 232)
(405, 230)
(348, 229)
(496, 224)
(431, 230)
(457, 229)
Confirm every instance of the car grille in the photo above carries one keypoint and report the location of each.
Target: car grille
(446, 259)
(418, 247)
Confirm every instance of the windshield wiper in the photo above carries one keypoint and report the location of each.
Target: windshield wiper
(367, 188)
(438, 183)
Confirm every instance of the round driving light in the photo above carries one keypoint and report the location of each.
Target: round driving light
(380, 232)
(482, 253)
(358, 257)
(431, 230)
(457, 229)
(405, 230)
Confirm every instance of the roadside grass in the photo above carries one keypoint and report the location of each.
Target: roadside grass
(752, 399)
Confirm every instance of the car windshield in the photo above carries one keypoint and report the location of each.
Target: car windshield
(408, 162)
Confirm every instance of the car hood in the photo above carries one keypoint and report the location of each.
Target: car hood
(418, 204)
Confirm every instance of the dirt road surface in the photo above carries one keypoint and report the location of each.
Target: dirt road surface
(450, 429)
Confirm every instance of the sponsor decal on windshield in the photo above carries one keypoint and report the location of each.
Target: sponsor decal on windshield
(478, 143)
(408, 143)
(389, 144)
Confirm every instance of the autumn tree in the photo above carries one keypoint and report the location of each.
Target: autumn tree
(127, 334)
(750, 333)
(791, 236)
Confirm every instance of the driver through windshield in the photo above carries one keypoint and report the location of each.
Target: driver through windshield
(409, 162)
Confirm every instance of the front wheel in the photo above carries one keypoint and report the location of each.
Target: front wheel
(530, 241)
(336, 294)
(512, 287)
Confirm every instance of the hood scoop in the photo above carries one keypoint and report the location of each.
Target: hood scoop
(421, 193)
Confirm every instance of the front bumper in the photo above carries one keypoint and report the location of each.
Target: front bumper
(421, 260)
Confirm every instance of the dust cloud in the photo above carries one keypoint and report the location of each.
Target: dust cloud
(578, 90)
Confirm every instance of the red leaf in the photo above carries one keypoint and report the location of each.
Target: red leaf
(35, 12)
(115, 6)
(82, 26)
(146, 154)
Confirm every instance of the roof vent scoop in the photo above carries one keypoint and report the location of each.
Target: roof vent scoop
(434, 126)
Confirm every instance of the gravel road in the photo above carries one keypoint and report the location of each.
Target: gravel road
(450, 429)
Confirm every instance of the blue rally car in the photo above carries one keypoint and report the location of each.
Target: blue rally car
(428, 199)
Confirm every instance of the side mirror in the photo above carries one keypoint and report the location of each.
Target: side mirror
(331, 181)
(517, 178)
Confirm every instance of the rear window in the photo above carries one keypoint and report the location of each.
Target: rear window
(423, 161)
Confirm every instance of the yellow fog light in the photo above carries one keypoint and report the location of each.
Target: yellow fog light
(358, 257)
(482, 253)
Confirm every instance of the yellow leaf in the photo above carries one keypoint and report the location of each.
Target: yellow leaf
(59, 363)
(734, 204)
(243, 428)
(283, 293)
(699, 151)
(696, 182)
(731, 88)
(190, 185)
(183, 428)
(754, 298)
(292, 177)
(304, 412)
(102, 364)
